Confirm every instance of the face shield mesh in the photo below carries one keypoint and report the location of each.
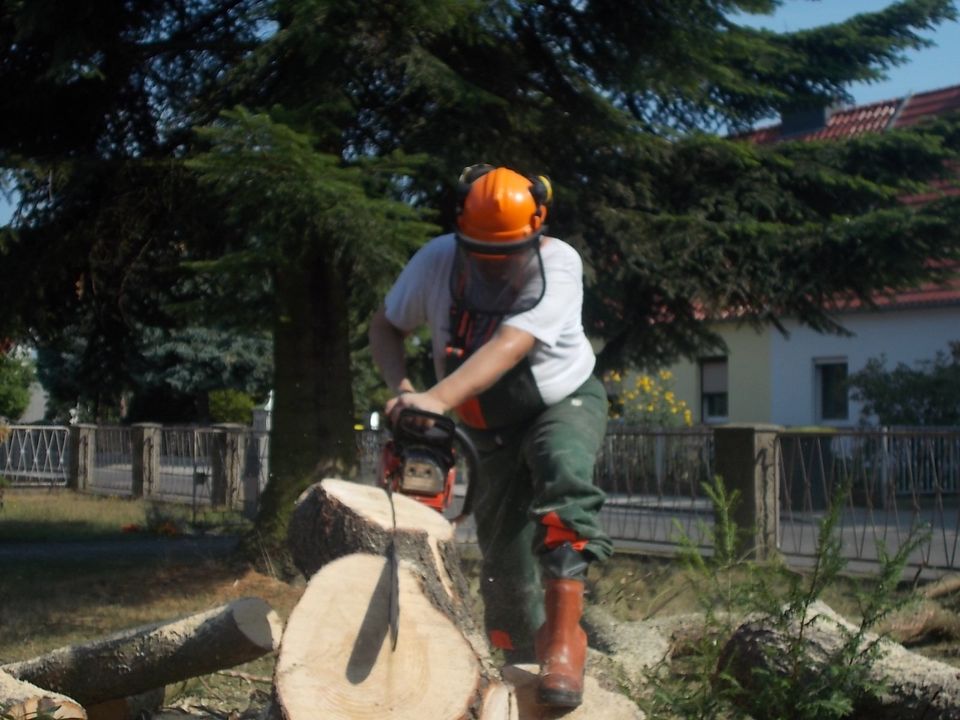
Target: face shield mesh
(499, 281)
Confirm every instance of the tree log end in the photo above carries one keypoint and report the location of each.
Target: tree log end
(336, 659)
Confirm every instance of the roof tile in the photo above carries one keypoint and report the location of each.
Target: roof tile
(872, 118)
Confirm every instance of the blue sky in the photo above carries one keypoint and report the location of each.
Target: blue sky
(928, 69)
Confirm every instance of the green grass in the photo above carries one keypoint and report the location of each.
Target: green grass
(65, 515)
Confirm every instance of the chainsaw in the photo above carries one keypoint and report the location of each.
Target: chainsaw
(420, 459)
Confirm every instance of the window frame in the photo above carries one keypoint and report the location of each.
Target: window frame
(820, 388)
(706, 396)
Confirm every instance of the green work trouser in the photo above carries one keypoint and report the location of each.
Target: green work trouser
(535, 489)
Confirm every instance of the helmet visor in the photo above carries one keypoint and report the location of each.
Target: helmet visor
(498, 280)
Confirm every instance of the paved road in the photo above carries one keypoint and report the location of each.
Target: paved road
(199, 548)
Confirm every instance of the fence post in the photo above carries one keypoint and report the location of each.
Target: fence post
(746, 460)
(229, 446)
(83, 449)
(145, 448)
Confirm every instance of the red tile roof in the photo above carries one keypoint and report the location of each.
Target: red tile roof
(927, 295)
(873, 118)
(928, 104)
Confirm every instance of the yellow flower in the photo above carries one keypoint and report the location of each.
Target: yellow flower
(665, 374)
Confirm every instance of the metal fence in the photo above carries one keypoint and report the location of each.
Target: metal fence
(178, 464)
(112, 471)
(890, 483)
(653, 480)
(37, 455)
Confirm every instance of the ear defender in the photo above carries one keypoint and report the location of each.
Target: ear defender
(542, 191)
(468, 176)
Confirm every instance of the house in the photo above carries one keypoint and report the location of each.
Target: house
(798, 379)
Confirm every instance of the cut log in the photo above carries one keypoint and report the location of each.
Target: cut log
(915, 686)
(597, 703)
(139, 660)
(334, 518)
(336, 660)
(21, 700)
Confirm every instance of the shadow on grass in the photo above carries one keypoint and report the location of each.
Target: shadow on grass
(19, 531)
(53, 600)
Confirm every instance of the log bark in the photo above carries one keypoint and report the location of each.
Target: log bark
(916, 687)
(336, 660)
(334, 518)
(21, 700)
(139, 660)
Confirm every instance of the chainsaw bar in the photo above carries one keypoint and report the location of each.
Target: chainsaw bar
(393, 603)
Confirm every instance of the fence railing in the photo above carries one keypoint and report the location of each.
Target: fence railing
(35, 454)
(891, 484)
(225, 465)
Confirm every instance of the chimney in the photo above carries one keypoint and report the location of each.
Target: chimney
(802, 119)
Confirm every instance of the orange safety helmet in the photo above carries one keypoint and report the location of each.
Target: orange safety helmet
(501, 210)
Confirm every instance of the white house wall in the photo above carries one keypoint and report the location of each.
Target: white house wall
(903, 336)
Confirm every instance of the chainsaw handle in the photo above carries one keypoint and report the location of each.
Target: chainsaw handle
(473, 470)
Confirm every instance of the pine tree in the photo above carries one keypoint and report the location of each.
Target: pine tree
(355, 107)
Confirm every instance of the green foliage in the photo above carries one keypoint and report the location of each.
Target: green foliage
(16, 374)
(791, 683)
(293, 216)
(927, 394)
(231, 406)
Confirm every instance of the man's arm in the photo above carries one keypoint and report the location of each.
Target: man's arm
(386, 346)
(503, 351)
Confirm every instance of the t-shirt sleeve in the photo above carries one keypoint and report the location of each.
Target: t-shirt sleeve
(406, 302)
(562, 302)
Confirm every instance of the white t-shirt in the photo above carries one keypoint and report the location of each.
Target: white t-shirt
(562, 358)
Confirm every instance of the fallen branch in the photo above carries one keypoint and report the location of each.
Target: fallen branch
(139, 660)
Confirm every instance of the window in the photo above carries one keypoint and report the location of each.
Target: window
(713, 389)
(831, 389)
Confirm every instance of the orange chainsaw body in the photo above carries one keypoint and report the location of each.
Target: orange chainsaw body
(419, 474)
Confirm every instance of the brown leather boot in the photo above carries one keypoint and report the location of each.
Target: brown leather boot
(561, 644)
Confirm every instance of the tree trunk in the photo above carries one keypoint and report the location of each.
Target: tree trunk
(915, 687)
(139, 660)
(21, 700)
(312, 435)
(336, 660)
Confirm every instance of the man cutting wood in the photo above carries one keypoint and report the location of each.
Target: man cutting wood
(503, 303)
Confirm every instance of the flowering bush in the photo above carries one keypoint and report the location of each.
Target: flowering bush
(649, 400)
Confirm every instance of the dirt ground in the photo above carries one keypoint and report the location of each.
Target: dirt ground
(55, 602)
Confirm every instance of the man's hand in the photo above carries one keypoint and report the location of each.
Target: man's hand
(421, 401)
